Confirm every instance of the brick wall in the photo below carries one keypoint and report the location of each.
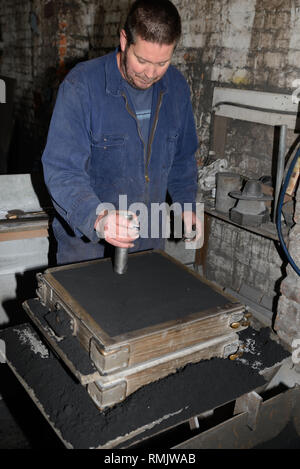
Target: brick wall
(243, 44)
(237, 256)
(41, 41)
(238, 43)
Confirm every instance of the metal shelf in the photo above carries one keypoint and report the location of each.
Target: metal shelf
(267, 230)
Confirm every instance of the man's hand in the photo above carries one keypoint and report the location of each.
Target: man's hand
(193, 230)
(119, 228)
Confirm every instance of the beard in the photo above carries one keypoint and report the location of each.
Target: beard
(129, 78)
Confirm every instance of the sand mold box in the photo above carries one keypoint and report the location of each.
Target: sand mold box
(154, 290)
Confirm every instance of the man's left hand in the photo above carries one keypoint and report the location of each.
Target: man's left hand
(193, 230)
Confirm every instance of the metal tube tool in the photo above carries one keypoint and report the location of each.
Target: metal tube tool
(121, 255)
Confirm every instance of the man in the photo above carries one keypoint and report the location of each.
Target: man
(122, 126)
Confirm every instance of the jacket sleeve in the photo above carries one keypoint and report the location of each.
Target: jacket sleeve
(182, 180)
(66, 157)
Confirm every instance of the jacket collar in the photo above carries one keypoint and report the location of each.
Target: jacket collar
(113, 77)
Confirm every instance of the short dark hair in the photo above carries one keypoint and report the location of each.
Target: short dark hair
(155, 21)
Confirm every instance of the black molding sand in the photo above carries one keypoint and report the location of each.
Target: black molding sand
(192, 390)
(154, 290)
(259, 351)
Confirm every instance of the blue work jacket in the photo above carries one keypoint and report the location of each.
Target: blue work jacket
(95, 152)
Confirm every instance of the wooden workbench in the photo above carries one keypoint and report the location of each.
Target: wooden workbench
(11, 230)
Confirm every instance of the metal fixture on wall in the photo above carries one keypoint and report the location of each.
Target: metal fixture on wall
(226, 182)
(250, 209)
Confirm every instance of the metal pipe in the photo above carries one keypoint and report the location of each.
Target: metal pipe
(121, 256)
(280, 167)
(121, 260)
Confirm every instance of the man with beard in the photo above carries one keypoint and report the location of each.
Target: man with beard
(122, 126)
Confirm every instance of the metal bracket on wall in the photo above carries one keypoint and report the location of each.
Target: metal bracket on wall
(260, 107)
(275, 109)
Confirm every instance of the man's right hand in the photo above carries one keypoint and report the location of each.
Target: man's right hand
(119, 228)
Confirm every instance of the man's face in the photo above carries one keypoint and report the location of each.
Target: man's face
(143, 63)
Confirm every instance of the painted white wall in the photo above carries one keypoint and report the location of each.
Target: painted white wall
(294, 46)
(234, 36)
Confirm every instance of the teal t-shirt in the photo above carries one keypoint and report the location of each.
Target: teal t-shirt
(142, 102)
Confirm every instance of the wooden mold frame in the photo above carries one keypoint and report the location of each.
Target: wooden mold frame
(114, 388)
(114, 354)
(109, 389)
